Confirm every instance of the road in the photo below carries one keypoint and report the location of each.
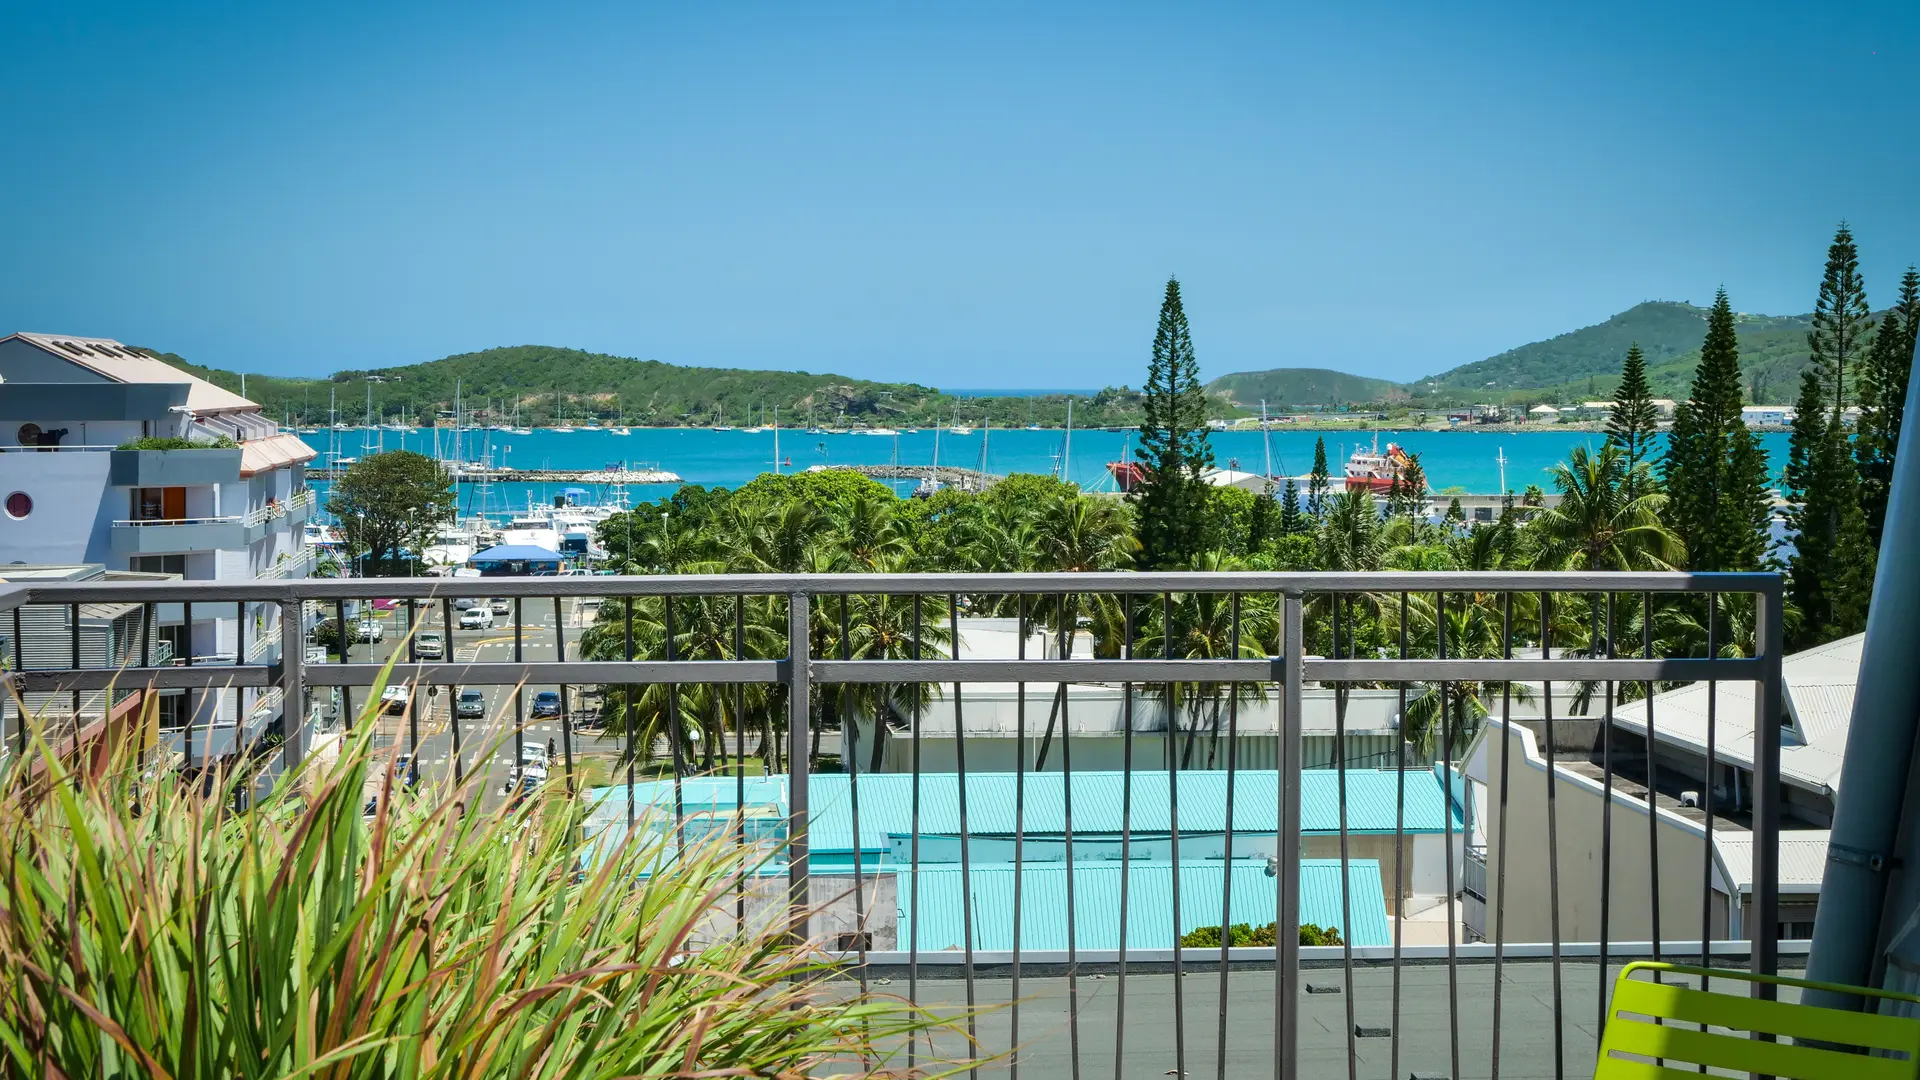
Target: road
(426, 728)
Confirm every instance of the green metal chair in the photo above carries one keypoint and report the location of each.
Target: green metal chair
(1658, 1024)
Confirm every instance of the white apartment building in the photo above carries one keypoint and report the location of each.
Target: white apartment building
(74, 489)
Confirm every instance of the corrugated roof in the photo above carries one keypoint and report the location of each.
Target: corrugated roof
(939, 916)
(1819, 686)
(264, 455)
(886, 803)
(1803, 858)
(123, 365)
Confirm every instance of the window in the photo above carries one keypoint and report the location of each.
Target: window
(159, 504)
(856, 942)
(19, 505)
(159, 564)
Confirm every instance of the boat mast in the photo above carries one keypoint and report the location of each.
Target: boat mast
(1266, 439)
(776, 440)
(1066, 450)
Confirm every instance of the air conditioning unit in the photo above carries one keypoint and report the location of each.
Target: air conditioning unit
(1690, 798)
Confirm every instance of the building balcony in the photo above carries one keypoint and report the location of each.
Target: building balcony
(175, 536)
(174, 468)
(1463, 934)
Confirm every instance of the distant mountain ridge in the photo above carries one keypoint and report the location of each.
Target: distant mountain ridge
(1284, 387)
(1577, 365)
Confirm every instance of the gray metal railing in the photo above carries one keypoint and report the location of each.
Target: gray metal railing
(1365, 634)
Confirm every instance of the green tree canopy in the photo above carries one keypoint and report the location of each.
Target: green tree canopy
(390, 506)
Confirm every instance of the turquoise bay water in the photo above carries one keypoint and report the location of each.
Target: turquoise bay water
(1468, 460)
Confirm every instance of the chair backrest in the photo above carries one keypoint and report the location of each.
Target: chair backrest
(1653, 1024)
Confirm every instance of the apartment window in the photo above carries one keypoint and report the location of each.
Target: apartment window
(159, 504)
(158, 564)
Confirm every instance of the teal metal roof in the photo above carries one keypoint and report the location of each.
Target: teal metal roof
(1096, 903)
(887, 803)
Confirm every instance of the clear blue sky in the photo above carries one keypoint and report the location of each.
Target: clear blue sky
(963, 195)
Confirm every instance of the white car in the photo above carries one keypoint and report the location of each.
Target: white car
(369, 630)
(394, 698)
(429, 645)
(476, 618)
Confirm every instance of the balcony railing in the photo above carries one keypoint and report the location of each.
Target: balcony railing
(1074, 862)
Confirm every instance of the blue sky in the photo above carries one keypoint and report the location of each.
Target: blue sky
(962, 195)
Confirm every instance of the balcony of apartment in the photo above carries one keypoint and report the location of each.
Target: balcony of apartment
(194, 467)
(182, 535)
(1077, 896)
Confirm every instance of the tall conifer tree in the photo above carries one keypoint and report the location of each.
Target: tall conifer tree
(1318, 481)
(1841, 322)
(1633, 422)
(1715, 470)
(1174, 450)
(1290, 521)
(1882, 390)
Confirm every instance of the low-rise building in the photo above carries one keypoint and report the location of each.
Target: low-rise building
(1698, 869)
(112, 457)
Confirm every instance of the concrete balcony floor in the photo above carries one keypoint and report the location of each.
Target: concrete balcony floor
(1527, 1020)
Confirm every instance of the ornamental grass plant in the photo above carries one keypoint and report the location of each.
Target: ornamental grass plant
(148, 928)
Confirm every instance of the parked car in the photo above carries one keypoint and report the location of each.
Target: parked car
(462, 603)
(394, 698)
(500, 605)
(406, 770)
(429, 645)
(369, 631)
(472, 704)
(524, 786)
(476, 618)
(546, 703)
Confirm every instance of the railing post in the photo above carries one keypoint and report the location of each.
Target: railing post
(293, 711)
(799, 744)
(1287, 760)
(1768, 634)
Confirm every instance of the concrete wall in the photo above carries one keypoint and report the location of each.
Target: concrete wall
(1581, 813)
(22, 361)
(834, 911)
(1107, 751)
(73, 509)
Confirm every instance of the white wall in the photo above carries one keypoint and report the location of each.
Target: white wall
(73, 508)
(1580, 817)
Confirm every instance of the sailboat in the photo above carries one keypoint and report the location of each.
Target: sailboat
(958, 428)
(720, 420)
(559, 422)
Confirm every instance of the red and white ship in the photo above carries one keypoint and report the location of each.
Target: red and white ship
(1371, 470)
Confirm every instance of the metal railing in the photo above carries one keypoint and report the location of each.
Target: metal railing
(1467, 644)
(217, 519)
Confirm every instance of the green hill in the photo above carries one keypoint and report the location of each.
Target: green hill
(544, 383)
(1667, 331)
(1296, 387)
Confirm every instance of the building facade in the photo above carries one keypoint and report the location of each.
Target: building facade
(109, 456)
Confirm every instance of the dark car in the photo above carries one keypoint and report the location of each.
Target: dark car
(546, 703)
(472, 703)
(523, 786)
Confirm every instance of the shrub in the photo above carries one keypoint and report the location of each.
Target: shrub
(149, 929)
(1242, 935)
(168, 442)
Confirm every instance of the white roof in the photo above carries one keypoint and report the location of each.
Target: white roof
(1818, 690)
(272, 452)
(1803, 859)
(1543, 409)
(120, 364)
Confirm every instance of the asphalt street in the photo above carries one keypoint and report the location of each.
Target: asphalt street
(425, 726)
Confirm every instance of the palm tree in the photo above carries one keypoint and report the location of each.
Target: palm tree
(1208, 626)
(1475, 628)
(1600, 523)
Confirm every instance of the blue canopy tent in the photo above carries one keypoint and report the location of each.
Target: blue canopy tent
(515, 560)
